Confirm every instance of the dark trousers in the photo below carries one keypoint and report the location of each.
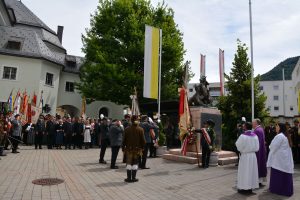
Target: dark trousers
(15, 143)
(68, 141)
(152, 150)
(104, 144)
(78, 140)
(50, 140)
(143, 158)
(38, 139)
(114, 155)
(205, 156)
(296, 154)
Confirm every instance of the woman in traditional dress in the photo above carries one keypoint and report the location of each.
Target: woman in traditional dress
(87, 134)
(281, 163)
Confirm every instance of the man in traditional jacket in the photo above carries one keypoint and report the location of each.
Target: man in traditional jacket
(115, 136)
(207, 141)
(51, 132)
(133, 145)
(295, 141)
(16, 132)
(261, 154)
(39, 130)
(3, 133)
(247, 144)
(145, 124)
(104, 139)
(77, 133)
(68, 131)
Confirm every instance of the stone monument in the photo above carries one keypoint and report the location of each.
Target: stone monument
(201, 111)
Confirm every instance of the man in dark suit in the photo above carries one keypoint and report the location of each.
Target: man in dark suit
(104, 139)
(39, 130)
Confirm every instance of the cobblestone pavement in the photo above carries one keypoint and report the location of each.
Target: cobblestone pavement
(85, 178)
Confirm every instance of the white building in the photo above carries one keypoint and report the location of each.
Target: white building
(32, 57)
(282, 94)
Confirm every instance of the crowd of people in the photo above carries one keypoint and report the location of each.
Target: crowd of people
(271, 147)
(71, 133)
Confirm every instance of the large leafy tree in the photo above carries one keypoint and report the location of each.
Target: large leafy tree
(237, 103)
(114, 50)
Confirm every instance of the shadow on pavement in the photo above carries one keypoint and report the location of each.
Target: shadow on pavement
(267, 195)
(88, 164)
(237, 196)
(162, 173)
(99, 169)
(112, 184)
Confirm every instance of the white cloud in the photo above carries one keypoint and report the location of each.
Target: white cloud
(207, 26)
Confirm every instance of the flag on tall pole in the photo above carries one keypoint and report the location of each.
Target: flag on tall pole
(34, 99)
(17, 103)
(151, 62)
(221, 68)
(41, 104)
(202, 65)
(10, 101)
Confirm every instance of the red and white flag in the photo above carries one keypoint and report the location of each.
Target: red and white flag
(202, 65)
(221, 68)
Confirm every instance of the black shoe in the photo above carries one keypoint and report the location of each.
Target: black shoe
(261, 185)
(114, 167)
(145, 168)
(128, 179)
(102, 162)
(15, 152)
(134, 179)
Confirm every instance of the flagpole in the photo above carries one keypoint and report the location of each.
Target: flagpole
(283, 84)
(252, 66)
(159, 75)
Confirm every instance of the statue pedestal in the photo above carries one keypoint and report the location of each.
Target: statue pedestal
(201, 115)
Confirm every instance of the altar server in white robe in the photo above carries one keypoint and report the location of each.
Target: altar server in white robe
(247, 144)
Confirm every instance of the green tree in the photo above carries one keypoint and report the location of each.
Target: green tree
(237, 103)
(114, 51)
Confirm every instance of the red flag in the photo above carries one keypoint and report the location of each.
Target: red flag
(34, 99)
(221, 68)
(202, 65)
(29, 114)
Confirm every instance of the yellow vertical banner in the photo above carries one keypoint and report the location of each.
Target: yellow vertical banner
(151, 62)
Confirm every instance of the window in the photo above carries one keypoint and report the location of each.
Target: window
(291, 108)
(9, 73)
(261, 88)
(13, 45)
(276, 108)
(275, 87)
(275, 98)
(191, 90)
(71, 64)
(69, 87)
(49, 79)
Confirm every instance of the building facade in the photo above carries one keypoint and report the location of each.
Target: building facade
(32, 58)
(282, 93)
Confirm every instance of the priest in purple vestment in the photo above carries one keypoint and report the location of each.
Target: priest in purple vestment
(261, 155)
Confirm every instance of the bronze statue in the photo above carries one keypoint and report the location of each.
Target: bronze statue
(202, 96)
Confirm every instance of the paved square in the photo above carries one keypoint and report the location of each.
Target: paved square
(85, 178)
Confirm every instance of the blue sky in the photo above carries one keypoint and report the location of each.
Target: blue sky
(207, 25)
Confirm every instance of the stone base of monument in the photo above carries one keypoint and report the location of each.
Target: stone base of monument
(223, 157)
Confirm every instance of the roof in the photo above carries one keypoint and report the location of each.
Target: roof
(275, 74)
(25, 16)
(36, 38)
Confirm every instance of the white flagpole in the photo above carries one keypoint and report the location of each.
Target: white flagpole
(252, 65)
(283, 84)
(159, 75)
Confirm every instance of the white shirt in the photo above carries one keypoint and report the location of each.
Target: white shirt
(280, 156)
